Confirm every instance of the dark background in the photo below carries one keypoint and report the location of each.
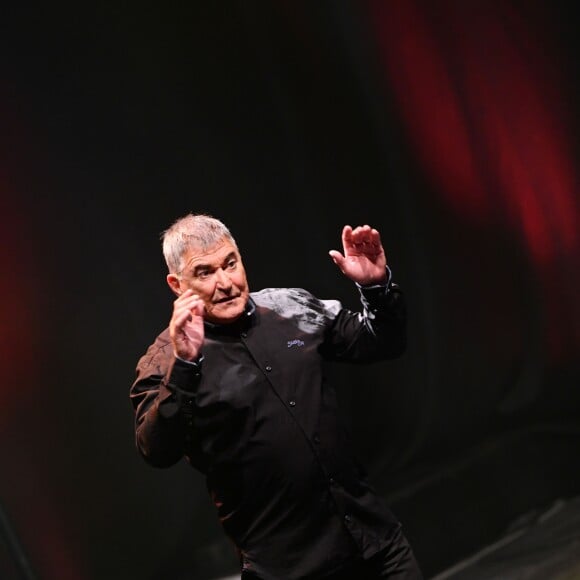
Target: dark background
(452, 127)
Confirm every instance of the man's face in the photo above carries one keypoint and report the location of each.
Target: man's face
(218, 277)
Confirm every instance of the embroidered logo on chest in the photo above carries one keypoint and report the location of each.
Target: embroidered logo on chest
(295, 342)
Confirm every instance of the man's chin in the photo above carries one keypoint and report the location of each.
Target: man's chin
(226, 312)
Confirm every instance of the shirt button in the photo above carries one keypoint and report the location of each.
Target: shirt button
(316, 439)
(244, 334)
(331, 480)
(292, 403)
(347, 519)
(268, 368)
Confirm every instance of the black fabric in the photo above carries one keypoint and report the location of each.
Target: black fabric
(396, 562)
(261, 421)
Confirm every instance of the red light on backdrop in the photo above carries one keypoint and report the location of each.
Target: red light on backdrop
(19, 325)
(481, 95)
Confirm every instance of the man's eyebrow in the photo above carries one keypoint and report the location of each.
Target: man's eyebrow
(230, 256)
(200, 267)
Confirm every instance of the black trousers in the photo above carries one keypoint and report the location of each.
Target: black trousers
(396, 562)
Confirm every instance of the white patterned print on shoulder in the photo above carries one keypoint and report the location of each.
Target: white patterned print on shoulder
(309, 312)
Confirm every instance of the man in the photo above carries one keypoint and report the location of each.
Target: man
(235, 384)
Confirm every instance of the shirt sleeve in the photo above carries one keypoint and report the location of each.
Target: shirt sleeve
(377, 332)
(162, 397)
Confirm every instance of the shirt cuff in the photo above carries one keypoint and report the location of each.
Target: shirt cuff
(196, 363)
(184, 375)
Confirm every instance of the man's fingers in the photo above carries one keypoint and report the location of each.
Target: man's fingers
(181, 318)
(199, 308)
(361, 235)
(346, 237)
(375, 237)
(189, 302)
(185, 308)
(365, 240)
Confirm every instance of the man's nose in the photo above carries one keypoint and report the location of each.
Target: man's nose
(223, 281)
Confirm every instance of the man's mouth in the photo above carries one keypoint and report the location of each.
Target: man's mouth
(226, 299)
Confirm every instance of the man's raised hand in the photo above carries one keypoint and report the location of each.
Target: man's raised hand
(186, 326)
(364, 259)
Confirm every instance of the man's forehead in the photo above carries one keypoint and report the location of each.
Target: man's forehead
(215, 253)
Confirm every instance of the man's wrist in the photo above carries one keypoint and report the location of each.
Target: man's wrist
(389, 277)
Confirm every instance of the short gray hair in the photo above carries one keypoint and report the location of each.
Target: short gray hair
(199, 231)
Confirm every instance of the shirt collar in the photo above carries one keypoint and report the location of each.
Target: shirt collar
(242, 322)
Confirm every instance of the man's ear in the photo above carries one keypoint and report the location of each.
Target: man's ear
(174, 283)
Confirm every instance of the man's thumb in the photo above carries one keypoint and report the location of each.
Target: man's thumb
(337, 258)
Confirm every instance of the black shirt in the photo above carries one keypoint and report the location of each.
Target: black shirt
(259, 419)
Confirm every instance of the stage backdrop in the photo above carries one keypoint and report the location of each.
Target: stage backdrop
(453, 130)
